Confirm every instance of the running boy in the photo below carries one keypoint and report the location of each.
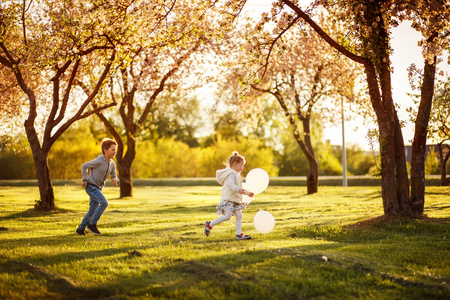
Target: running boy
(99, 169)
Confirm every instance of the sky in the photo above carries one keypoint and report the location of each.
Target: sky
(405, 52)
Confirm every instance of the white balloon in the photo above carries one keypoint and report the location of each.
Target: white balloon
(264, 222)
(257, 180)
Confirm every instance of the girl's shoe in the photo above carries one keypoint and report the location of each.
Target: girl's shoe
(243, 237)
(207, 228)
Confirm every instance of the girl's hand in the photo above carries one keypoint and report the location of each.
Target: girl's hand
(84, 184)
(114, 181)
(244, 192)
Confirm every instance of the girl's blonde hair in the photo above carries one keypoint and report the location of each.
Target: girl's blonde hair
(235, 158)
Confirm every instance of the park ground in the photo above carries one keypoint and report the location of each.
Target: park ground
(331, 245)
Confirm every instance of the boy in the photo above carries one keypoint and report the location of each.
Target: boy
(99, 170)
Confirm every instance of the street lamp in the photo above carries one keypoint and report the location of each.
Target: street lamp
(344, 159)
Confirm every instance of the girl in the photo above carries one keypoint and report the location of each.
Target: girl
(231, 200)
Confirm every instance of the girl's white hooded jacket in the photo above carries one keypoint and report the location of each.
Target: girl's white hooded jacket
(232, 182)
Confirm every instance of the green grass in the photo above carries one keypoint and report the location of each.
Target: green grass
(365, 180)
(330, 245)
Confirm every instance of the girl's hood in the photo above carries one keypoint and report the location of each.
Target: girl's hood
(221, 175)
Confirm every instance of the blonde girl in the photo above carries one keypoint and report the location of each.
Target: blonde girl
(231, 199)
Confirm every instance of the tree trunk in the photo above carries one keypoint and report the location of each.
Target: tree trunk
(47, 201)
(442, 165)
(125, 178)
(124, 163)
(388, 163)
(383, 106)
(40, 157)
(401, 170)
(420, 139)
(312, 180)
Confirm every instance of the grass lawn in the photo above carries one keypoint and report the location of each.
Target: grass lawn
(330, 245)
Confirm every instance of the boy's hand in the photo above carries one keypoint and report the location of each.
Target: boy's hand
(114, 181)
(84, 184)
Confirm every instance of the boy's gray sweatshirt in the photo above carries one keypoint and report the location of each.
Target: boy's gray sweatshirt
(99, 170)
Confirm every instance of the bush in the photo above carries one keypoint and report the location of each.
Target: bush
(359, 162)
(432, 163)
(16, 159)
(329, 164)
(165, 158)
(256, 154)
(170, 158)
(73, 148)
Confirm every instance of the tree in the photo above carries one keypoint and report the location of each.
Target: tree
(46, 46)
(292, 162)
(371, 21)
(307, 76)
(155, 69)
(439, 127)
(176, 118)
(366, 41)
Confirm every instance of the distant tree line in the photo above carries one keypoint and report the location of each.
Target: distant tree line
(168, 151)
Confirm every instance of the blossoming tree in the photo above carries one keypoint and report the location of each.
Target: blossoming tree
(366, 41)
(45, 47)
(307, 76)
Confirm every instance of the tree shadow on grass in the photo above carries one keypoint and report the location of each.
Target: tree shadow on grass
(375, 227)
(374, 195)
(188, 274)
(56, 284)
(304, 271)
(310, 269)
(33, 213)
(383, 221)
(437, 207)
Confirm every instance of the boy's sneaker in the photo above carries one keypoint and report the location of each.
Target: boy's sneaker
(93, 229)
(81, 232)
(207, 228)
(243, 237)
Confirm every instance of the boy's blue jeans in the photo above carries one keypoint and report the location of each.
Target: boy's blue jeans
(97, 205)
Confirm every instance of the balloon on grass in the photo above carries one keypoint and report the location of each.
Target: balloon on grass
(257, 181)
(264, 222)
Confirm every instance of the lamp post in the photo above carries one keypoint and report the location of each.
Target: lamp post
(344, 159)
